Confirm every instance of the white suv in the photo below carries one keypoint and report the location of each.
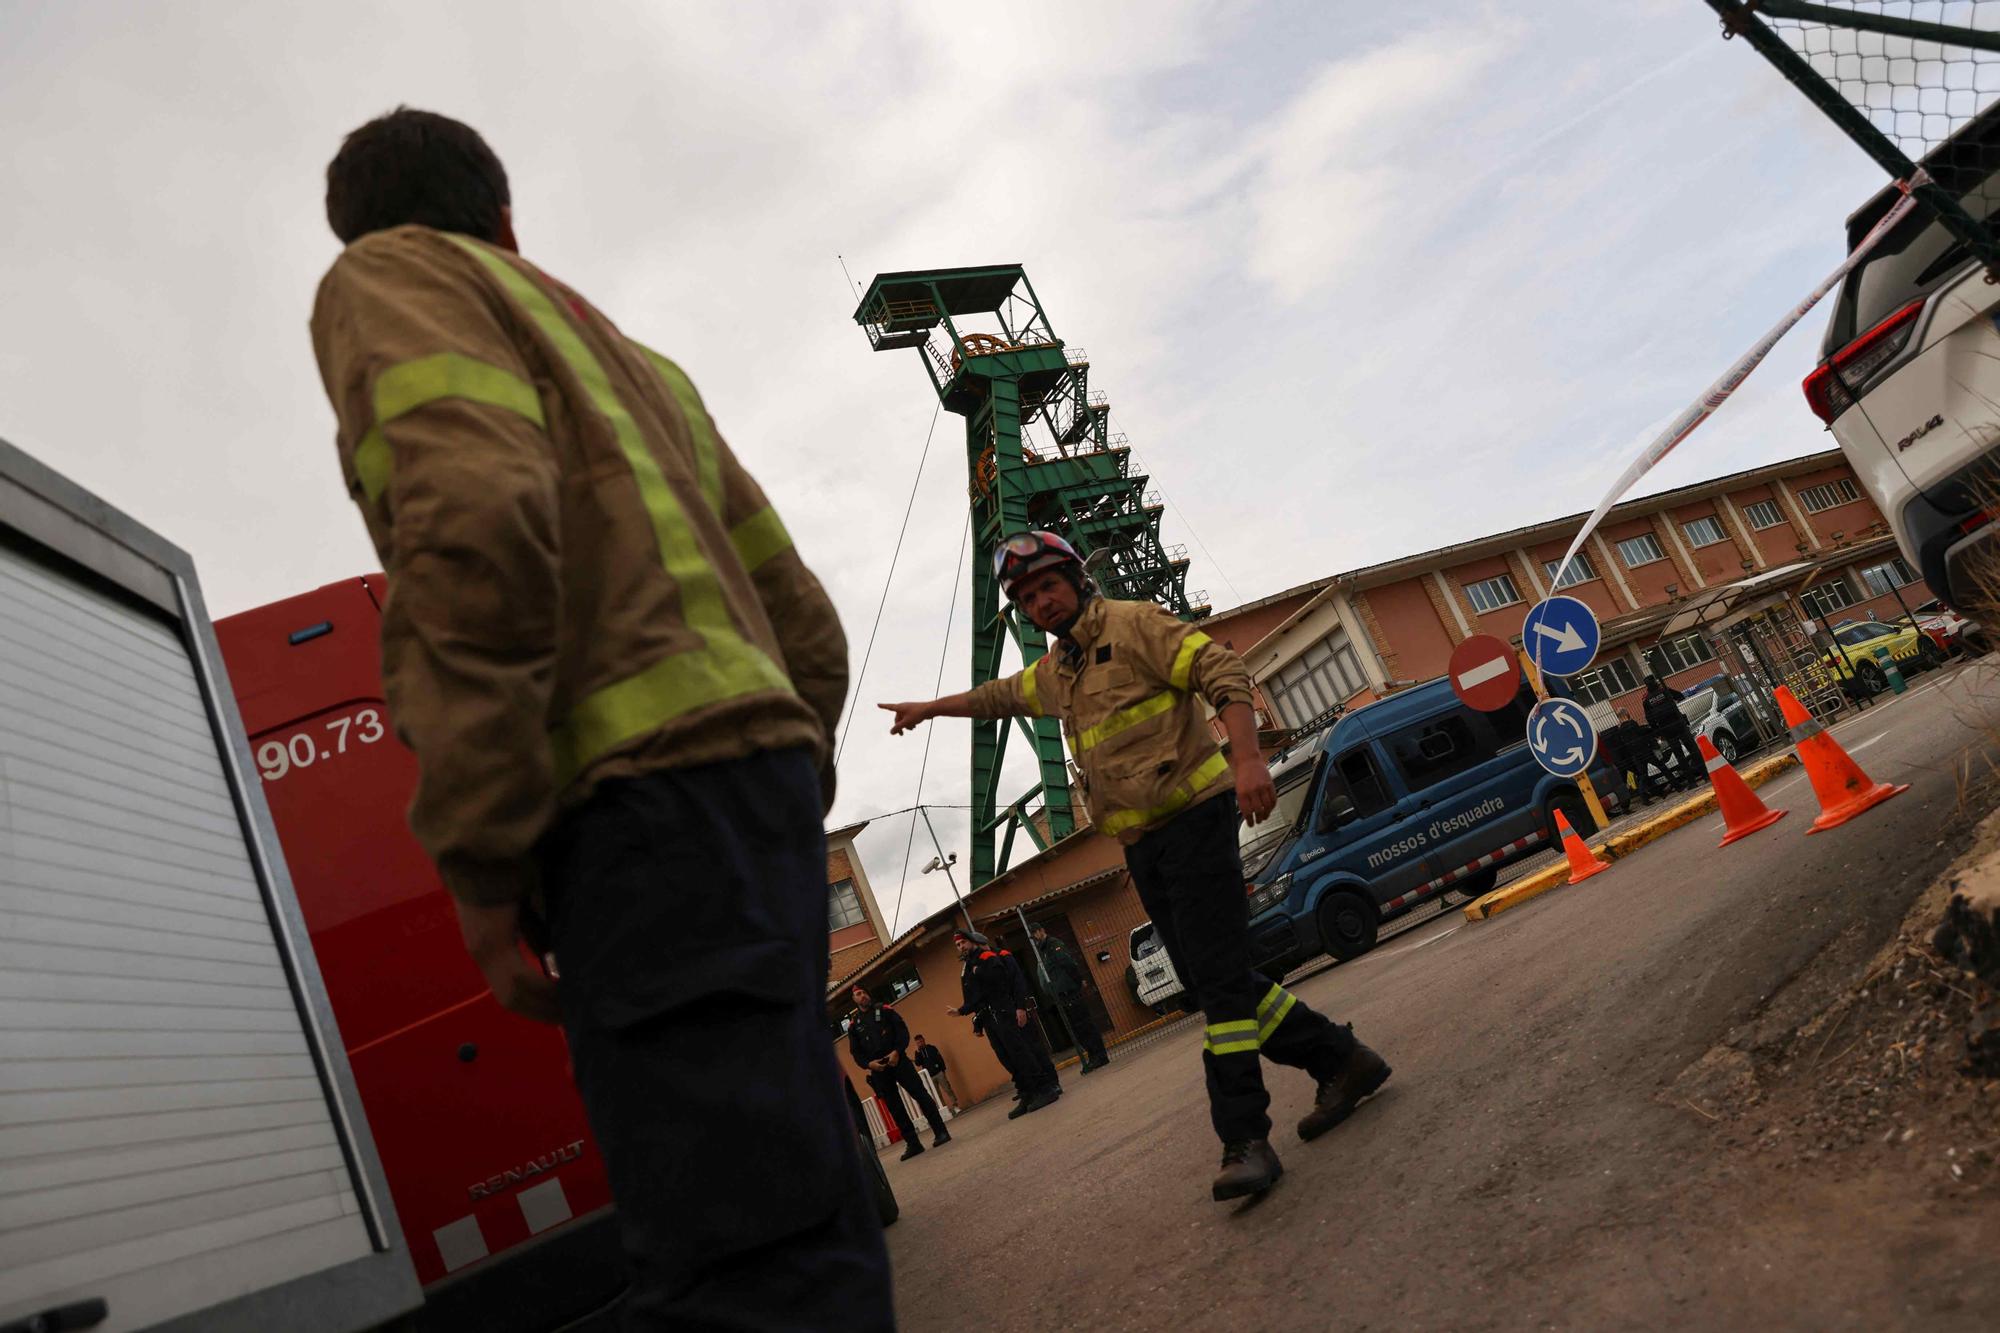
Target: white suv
(1909, 375)
(1154, 980)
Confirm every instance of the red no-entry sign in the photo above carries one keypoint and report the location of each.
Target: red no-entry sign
(1485, 673)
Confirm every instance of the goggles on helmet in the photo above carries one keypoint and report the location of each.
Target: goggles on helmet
(1026, 552)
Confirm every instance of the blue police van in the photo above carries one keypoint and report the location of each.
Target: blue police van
(1390, 807)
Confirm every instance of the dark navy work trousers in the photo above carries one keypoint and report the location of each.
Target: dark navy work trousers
(687, 911)
(1189, 874)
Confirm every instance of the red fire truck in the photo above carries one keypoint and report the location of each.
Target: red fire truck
(499, 1188)
(496, 1181)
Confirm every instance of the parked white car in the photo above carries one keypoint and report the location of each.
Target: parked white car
(1721, 715)
(1909, 375)
(1950, 630)
(1155, 982)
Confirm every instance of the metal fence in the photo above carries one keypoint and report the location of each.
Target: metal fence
(1900, 78)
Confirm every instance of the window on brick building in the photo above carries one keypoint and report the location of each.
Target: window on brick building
(1603, 682)
(897, 984)
(1678, 654)
(1643, 549)
(1580, 571)
(1763, 514)
(1819, 499)
(1829, 597)
(1704, 531)
(1492, 594)
(1325, 674)
(1887, 576)
(843, 905)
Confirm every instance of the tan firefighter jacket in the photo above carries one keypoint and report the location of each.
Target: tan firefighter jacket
(1127, 685)
(584, 583)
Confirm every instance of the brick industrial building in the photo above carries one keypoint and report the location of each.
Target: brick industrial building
(1802, 527)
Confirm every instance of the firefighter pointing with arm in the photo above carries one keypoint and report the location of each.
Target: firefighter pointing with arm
(1126, 679)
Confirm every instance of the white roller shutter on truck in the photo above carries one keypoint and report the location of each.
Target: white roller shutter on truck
(178, 1131)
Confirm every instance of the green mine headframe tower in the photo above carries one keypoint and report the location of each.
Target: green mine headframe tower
(1039, 453)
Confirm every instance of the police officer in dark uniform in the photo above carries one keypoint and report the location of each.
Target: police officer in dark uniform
(878, 1040)
(1064, 978)
(997, 994)
(1664, 716)
(1631, 748)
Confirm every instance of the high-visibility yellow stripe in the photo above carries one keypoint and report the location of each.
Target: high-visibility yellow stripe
(1212, 768)
(1231, 1038)
(1124, 720)
(1184, 659)
(726, 665)
(759, 537)
(1033, 695)
(1275, 1017)
(404, 388)
(707, 462)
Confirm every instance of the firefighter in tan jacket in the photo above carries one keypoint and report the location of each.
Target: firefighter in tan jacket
(619, 680)
(1128, 681)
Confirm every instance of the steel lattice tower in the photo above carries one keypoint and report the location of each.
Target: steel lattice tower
(1039, 454)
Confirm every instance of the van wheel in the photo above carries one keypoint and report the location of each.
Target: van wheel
(1479, 882)
(1574, 810)
(1347, 923)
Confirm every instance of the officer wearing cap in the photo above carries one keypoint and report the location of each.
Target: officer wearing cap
(1065, 979)
(1128, 681)
(996, 996)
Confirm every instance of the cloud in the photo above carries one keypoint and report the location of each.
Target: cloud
(1333, 168)
(1355, 286)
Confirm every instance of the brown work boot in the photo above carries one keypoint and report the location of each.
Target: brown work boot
(1357, 1080)
(1249, 1167)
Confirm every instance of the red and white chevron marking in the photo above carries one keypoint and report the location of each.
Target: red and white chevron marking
(1445, 880)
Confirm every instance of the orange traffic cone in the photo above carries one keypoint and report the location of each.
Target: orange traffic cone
(1582, 862)
(1740, 806)
(1844, 791)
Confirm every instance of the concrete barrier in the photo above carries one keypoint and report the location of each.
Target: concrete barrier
(1625, 843)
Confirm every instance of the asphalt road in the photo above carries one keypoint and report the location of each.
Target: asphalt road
(1522, 1168)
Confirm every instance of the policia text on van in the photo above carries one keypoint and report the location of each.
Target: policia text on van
(1127, 680)
(1388, 808)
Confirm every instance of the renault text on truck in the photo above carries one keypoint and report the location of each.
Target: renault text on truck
(1388, 808)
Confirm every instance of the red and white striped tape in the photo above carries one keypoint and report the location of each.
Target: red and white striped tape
(1449, 877)
(1732, 379)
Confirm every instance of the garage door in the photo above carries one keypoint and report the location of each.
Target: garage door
(166, 1141)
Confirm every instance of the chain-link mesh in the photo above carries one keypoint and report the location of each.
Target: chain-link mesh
(1916, 92)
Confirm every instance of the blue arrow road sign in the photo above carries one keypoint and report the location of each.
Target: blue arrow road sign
(1560, 636)
(1561, 737)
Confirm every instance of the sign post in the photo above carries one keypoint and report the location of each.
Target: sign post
(1583, 782)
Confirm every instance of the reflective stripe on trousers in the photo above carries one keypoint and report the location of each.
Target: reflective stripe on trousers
(1250, 1034)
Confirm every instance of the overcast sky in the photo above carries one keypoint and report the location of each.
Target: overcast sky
(1360, 279)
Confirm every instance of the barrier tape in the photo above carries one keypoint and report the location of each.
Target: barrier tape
(1732, 379)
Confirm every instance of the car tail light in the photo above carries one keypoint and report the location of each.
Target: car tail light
(1857, 362)
(1974, 521)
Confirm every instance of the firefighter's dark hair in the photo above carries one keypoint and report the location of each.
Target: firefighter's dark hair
(415, 166)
